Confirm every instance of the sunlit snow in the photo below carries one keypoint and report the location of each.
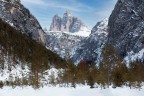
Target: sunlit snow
(79, 91)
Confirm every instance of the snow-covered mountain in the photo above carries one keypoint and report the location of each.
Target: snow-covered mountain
(80, 47)
(61, 43)
(90, 48)
(15, 14)
(65, 34)
(126, 27)
(69, 23)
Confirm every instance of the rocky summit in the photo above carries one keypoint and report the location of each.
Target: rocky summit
(67, 23)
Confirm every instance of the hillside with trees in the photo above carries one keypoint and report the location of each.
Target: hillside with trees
(18, 49)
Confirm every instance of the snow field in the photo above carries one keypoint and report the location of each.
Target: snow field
(64, 91)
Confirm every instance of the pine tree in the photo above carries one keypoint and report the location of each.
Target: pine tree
(119, 75)
(90, 81)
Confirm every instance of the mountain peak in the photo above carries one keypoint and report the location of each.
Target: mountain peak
(68, 13)
(101, 27)
(67, 23)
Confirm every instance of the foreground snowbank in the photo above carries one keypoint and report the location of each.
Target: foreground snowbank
(79, 91)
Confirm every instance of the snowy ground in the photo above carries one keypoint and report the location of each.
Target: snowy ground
(79, 91)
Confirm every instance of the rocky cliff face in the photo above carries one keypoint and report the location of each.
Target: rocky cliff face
(126, 27)
(56, 23)
(15, 14)
(67, 23)
(90, 48)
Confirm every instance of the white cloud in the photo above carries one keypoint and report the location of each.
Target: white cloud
(72, 5)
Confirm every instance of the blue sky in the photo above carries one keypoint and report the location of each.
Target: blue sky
(89, 11)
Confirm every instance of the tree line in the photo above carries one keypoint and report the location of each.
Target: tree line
(112, 71)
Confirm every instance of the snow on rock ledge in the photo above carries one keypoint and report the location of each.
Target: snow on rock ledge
(134, 56)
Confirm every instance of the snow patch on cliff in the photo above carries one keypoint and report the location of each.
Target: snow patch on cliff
(134, 56)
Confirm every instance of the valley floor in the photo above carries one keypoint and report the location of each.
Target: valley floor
(79, 91)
